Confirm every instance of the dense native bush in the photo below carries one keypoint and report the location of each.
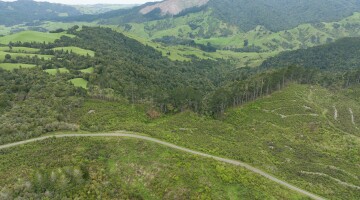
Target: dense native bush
(33, 102)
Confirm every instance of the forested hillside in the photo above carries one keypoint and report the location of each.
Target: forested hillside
(341, 55)
(334, 65)
(120, 68)
(140, 73)
(33, 103)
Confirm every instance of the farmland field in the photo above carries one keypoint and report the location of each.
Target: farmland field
(79, 82)
(32, 36)
(14, 55)
(55, 71)
(12, 66)
(88, 70)
(19, 50)
(77, 50)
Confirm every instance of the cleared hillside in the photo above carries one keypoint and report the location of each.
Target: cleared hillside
(126, 169)
(292, 134)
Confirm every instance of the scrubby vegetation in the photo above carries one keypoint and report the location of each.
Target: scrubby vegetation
(340, 55)
(123, 169)
(292, 134)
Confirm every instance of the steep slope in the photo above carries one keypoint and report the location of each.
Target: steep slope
(23, 11)
(101, 8)
(173, 7)
(292, 134)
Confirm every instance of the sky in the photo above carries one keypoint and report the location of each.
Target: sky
(77, 2)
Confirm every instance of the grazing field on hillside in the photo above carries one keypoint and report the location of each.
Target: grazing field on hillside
(203, 29)
(185, 53)
(207, 32)
(118, 168)
(55, 71)
(32, 36)
(12, 66)
(14, 55)
(88, 70)
(19, 49)
(77, 50)
(80, 82)
(292, 134)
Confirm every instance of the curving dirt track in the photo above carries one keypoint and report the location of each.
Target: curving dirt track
(129, 135)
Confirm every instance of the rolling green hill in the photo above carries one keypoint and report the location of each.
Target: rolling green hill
(76, 50)
(23, 55)
(202, 28)
(191, 32)
(279, 15)
(12, 66)
(275, 15)
(31, 36)
(341, 55)
(229, 27)
(27, 11)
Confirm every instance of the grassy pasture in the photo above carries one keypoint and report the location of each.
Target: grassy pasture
(14, 55)
(79, 82)
(20, 50)
(55, 71)
(76, 50)
(88, 70)
(32, 36)
(12, 66)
